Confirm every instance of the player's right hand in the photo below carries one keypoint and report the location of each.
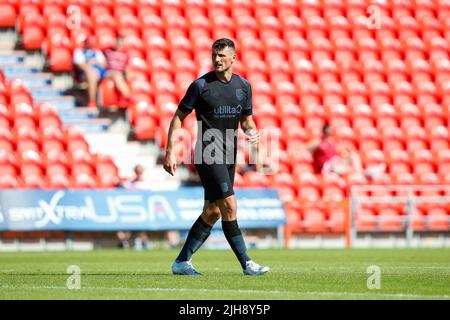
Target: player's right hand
(170, 163)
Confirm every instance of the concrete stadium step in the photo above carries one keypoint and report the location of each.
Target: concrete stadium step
(8, 39)
(31, 59)
(62, 82)
(89, 125)
(35, 80)
(13, 70)
(126, 154)
(45, 91)
(100, 141)
(11, 57)
(35, 59)
(59, 102)
(78, 113)
(116, 144)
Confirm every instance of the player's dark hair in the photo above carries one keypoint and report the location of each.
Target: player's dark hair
(223, 43)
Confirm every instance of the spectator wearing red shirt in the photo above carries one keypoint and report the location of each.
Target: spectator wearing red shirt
(117, 60)
(327, 159)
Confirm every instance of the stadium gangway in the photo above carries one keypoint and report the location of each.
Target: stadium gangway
(408, 197)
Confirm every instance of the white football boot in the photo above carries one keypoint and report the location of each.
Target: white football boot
(184, 268)
(254, 269)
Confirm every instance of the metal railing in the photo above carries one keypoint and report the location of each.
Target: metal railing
(403, 194)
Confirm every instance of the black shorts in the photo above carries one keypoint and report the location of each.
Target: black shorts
(217, 180)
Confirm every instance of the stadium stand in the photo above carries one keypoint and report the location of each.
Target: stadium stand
(385, 91)
(37, 152)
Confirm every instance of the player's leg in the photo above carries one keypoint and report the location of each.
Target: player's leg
(198, 234)
(200, 231)
(228, 209)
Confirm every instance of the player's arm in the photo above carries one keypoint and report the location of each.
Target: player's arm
(184, 108)
(249, 127)
(246, 119)
(170, 161)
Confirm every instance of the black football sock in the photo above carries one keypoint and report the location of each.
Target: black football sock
(236, 241)
(198, 234)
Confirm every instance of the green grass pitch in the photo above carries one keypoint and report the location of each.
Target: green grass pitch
(294, 274)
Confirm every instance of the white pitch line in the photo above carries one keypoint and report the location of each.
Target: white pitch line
(418, 267)
(391, 295)
(310, 293)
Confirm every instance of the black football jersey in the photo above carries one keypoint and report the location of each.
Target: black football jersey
(218, 106)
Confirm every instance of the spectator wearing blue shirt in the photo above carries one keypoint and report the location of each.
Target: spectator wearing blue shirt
(92, 64)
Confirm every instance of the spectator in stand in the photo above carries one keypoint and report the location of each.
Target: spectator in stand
(117, 60)
(138, 182)
(124, 239)
(91, 65)
(327, 159)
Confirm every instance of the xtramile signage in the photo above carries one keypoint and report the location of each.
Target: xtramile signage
(127, 210)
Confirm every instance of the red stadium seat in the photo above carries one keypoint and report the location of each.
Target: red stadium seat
(438, 138)
(438, 219)
(25, 133)
(52, 144)
(8, 181)
(365, 220)
(108, 93)
(106, 172)
(83, 181)
(33, 37)
(8, 15)
(282, 179)
(313, 220)
(333, 193)
(61, 60)
(58, 181)
(20, 97)
(7, 168)
(336, 220)
(308, 193)
(398, 161)
(417, 220)
(255, 179)
(392, 138)
(32, 181)
(145, 127)
(80, 156)
(390, 219)
(53, 169)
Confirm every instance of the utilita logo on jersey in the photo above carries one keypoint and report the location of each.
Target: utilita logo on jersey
(227, 111)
